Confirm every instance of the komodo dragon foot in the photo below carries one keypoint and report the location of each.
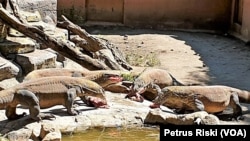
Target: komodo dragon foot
(46, 116)
(137, 94)
(11, 114)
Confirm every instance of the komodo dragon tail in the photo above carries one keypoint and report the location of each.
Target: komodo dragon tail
(176, 82)
(244, 96)
(6, 96)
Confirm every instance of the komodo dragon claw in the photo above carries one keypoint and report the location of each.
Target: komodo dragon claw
(237, 118)
(18, 116)
(46, 116)
(240, 118)
(197, 121)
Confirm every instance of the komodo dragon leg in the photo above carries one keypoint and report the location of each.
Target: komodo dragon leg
(196, 106)
(235, 104)
(29, 99)
(24, 98)
(11, 113)
(69, 101)
(139, 98)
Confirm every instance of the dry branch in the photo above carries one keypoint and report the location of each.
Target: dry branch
(65, 48)
(83, 50)
(96, 44)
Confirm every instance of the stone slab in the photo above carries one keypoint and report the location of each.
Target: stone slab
(47, 8)
(31, 16)
(39, 59)
(7, 69)
(16, 45)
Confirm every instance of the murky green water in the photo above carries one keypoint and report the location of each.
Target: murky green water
(116, 134)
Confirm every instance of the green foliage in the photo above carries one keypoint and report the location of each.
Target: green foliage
(147, 60)
(128, 77)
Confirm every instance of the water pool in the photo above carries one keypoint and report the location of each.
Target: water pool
(116, 134)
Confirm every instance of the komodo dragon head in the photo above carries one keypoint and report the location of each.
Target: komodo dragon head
(105, 78)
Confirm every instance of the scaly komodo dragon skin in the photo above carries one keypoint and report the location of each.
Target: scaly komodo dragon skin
(104, 78)
(109, 79)
(147, 83)
(212, 99)
(47, 92)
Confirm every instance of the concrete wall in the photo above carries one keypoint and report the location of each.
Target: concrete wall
(246, 20)
(104, 10)
(185, 14)
(242, 30)
(72, 9)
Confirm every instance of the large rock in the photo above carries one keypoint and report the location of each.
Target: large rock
(7, 69)
(50, 132)
(47, 8)
(51, 29)
(34, 19)
(7, 83)
(39, 59)
(64, 62)
(31, 16)
(53, 136)
(157, 116)
(3, 32)
(20, 135)
(14, 45)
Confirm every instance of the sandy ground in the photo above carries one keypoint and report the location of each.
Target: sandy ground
(192, 58)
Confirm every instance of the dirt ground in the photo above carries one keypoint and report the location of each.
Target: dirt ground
(192, 58)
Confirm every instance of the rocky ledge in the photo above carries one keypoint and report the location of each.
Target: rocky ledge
(121, 113)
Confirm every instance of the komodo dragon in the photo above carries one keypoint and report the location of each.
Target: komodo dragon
(109, 79)
(99, 76)
(160, 78)
(47, 92)
(212, 99)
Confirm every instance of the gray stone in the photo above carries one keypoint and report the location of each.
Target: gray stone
(20, 135)
(70, 64)
(59, 57)
(51, 30)
(7, 83)
(3, 32)
(7, 69)
(31, 16)
(44, 7)
(51, 129)
(39, 59)
(83, 123)
(14, 33)
(64, 62)
(53, 136)
(157, 116)
(14, 45)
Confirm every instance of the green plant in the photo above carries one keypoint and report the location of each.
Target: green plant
(147, 60)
